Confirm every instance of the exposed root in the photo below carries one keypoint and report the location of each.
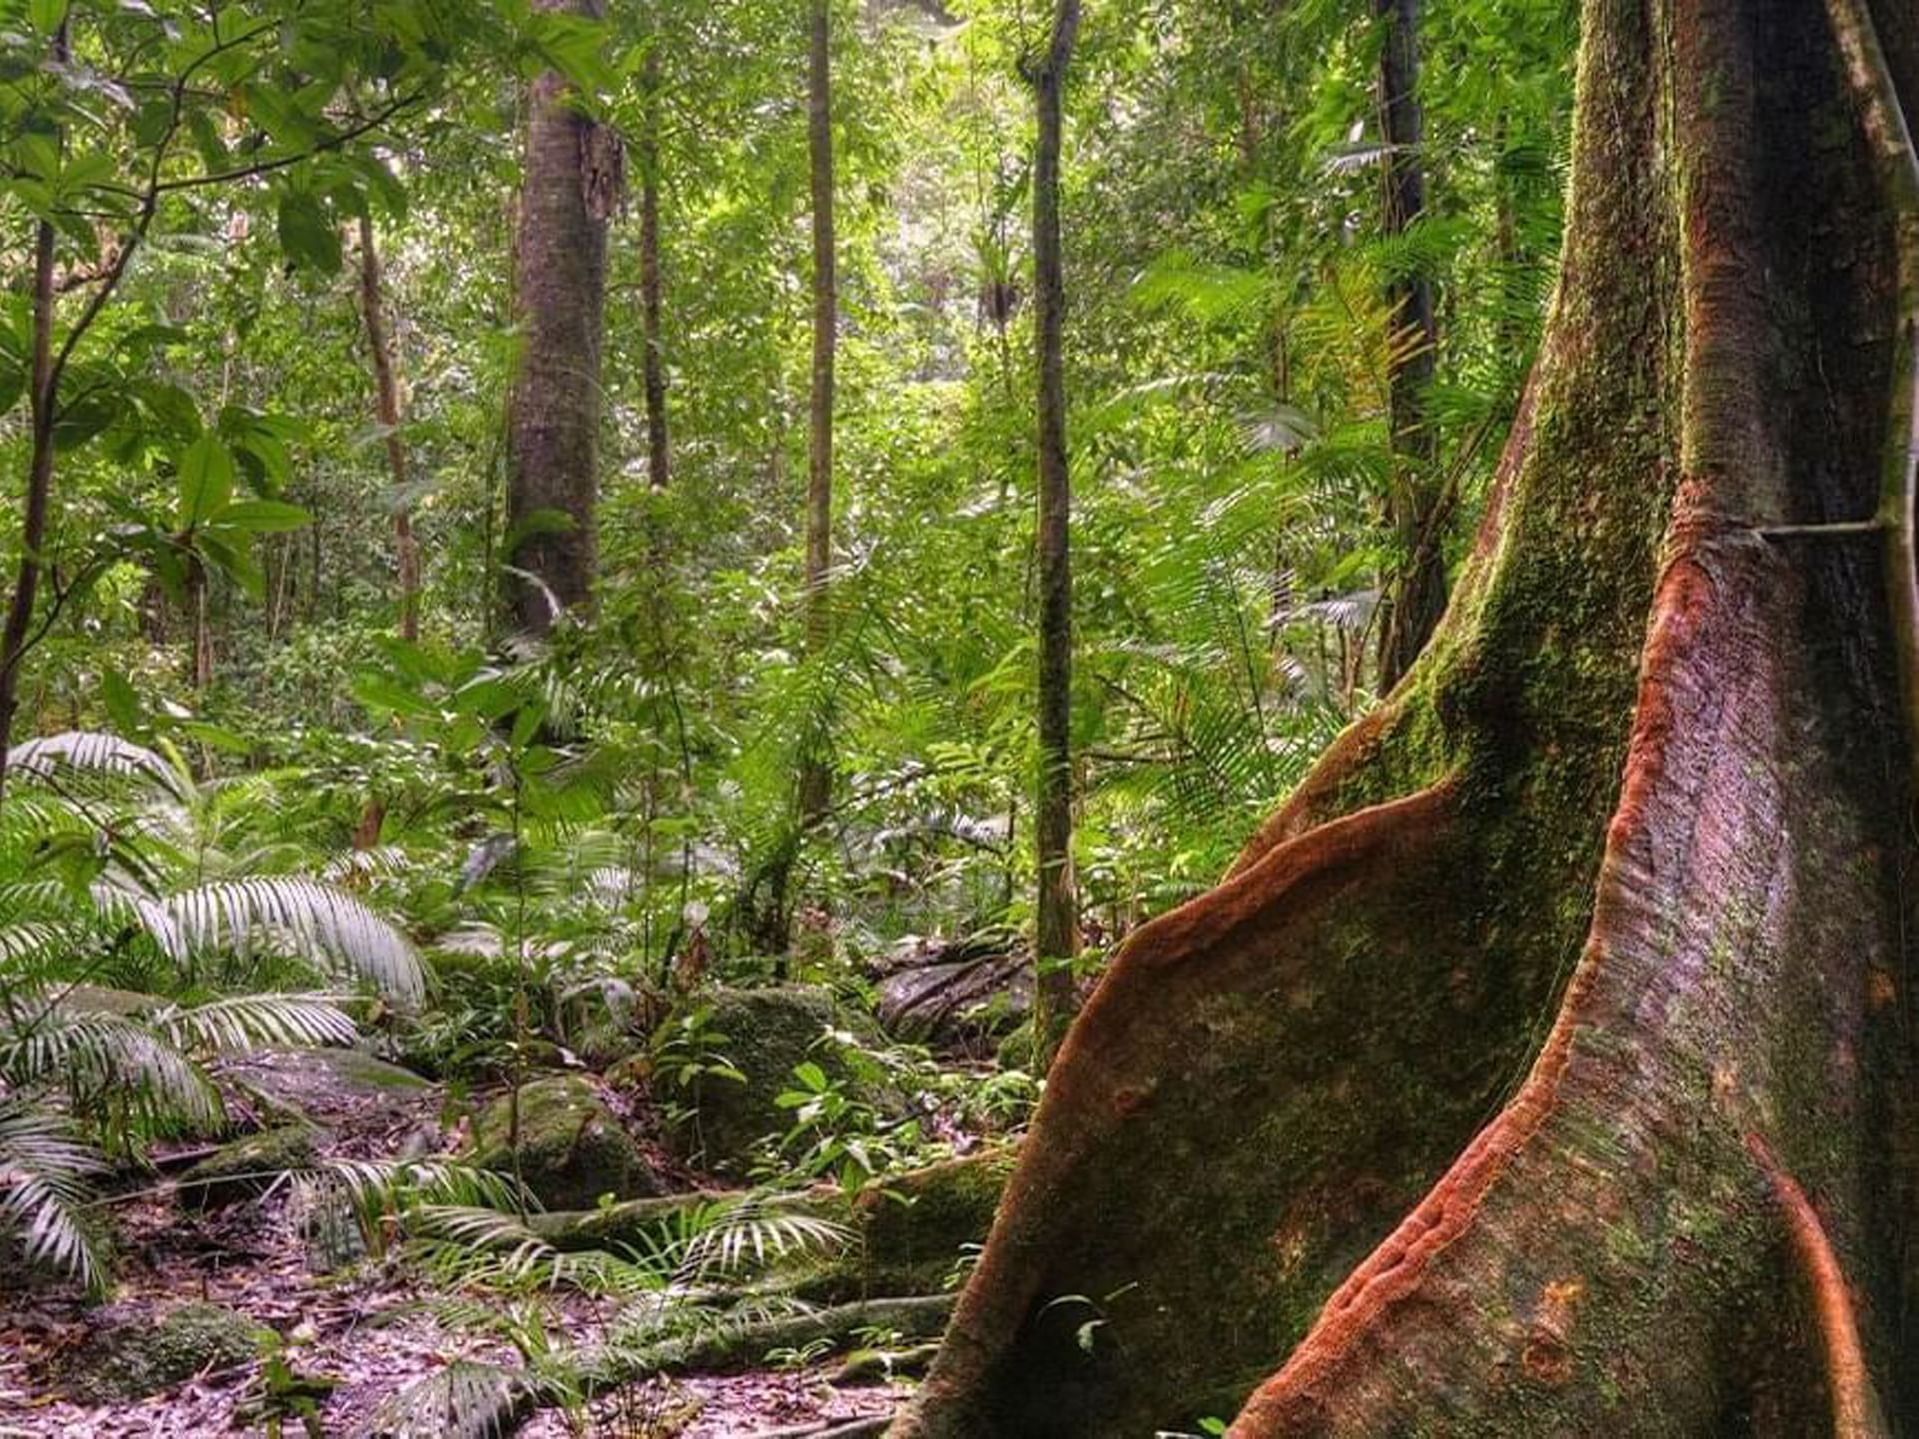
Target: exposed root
(1109, 1093)
(1855, 1406)
(1395, 1269)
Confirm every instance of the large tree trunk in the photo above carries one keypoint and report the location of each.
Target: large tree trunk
(816, 776)
(1056, 928)
(1415, 596)
(571, 185)
(1459, 1108)
(386, 395)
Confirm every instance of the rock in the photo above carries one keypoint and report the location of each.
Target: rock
(321, 1082)
(762, 1034)
(248, 1166)
(915, 1230)
(909, 1234)
(957, 1000)
(572, 1148)
(147, 1353)
(101, 999)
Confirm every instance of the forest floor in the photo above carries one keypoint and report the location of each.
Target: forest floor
(364, 1328)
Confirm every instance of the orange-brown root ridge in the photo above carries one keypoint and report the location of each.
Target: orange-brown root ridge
(1600, 1253)
(1855, 1404)
(1433, 1118)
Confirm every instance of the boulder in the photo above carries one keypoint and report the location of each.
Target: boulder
(760, 1035)
(572, 1148)
(908, 1234)
(917, 1229)
(146, 1353)
(246, 1167)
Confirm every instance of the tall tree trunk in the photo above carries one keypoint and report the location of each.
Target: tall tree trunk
(1056, 930)
(16, 633)
(1415, 596)
(1263, 1160)
(816, 779)
(571, 186)
(652, 304)
(386, 389)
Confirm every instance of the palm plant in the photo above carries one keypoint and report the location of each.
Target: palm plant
(117, 875)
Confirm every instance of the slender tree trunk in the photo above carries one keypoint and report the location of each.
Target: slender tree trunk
(652, 305)
(386, 389)
(571, 186)
(199, 597)
(16, 633)
(816, 780)
(1415, 596)
(1264, 1163)
(1056, 936)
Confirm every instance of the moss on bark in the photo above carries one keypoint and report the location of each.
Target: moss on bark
(1443, 927)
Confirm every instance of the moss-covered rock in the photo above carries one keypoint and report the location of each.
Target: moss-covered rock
(917, 1229)
(572, 1148)
(148, 1353)
(762, 1034)
(248, 1166)
(907, 1235)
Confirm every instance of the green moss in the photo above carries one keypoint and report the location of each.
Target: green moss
(248, 1166)
(144, 1356)
(571, 1148)
(763, 1034)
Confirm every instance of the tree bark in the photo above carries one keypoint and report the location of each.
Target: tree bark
(16, 633)
(386, 391)
(1056, 929)
(816, 778)
(1263, 1171)
(1415, 596)
(571, 186)
(652, 303)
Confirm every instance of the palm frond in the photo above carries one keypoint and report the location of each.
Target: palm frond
(323, 925)
(91, 751)
(250, 1021)
(45, 1176)
(466, 1398)
(753, 1233)
(96, 1055)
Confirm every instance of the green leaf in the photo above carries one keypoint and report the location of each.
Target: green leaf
(383, 692)
(265, 517)
(122, 704)
(46, 15)
(206, 481)
(307, 232)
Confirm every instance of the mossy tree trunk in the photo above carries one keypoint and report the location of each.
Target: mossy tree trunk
(659, 446)
(1056, 924)
(1545, 1066)
(816, 775)
(572, 183)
